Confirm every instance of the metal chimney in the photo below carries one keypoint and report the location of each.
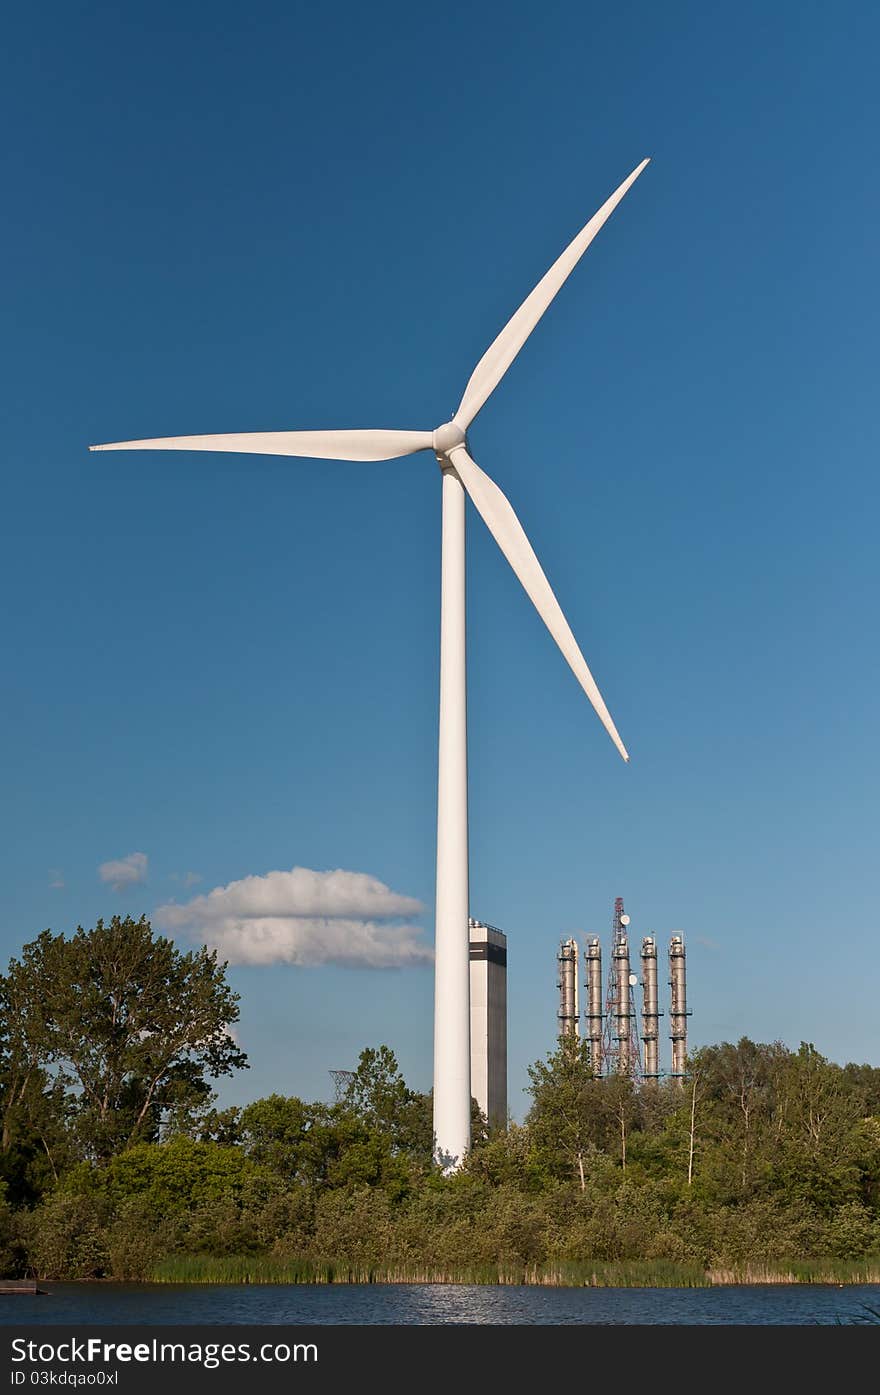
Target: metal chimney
(620, 1038)
(650, 1011)
(594, 1013)
(569, 1014)
(678, 1013)
(620, 956)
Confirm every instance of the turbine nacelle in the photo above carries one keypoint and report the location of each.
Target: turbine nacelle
(448, 437)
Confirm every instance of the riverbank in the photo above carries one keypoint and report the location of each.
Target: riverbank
(262, 1269)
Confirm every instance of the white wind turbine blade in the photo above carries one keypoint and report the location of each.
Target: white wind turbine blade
(507, 531)
(319, 445)
(501, 353)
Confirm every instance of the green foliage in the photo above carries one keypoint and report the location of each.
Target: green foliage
(378, 1136)
(138, 1239)
(381, 1099)
(854, 1232)
(274, 1131)
(127, 1027)
(66, 1237)
(35, 1143)
(763, 1163)
(508, 1158)
(12, 1254)
(574, 1115)
(179, 1176)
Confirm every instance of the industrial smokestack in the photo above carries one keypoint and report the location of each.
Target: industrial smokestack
(678, 1013)
(622, 1015)
(620, 1038)
(569, 1014)
(650, 1012)
(594, 1014)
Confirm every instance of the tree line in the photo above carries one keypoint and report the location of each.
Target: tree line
(116, 1162)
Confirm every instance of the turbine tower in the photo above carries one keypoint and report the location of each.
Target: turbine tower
(461, 475)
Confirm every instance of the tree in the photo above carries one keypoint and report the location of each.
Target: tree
(35, 1142)
(567, 1114)
(380, 1097)
(275, 1130)
(126, 1026)
(738, 1092)
(312, 1146)
(692, 1132)
(619, 1100)
(821, 1130)
(864, 1080)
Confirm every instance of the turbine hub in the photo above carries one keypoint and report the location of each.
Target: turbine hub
(447, 437)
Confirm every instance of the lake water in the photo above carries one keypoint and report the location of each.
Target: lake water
(420, 1304)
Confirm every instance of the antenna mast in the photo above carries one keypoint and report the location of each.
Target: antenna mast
(341, 1081)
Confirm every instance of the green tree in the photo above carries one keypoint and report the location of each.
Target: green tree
(66, 1237)
(35, 1145)
(381, 1098)
(507, 1158)
(275, 1131)
(11, 1251)
(821, 1132)
(320, 1147)
(620, 1108)
(124, 1023)
(568, 1114)
(739, 1113)
(864, 1080)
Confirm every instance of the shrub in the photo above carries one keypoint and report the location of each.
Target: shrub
(12, 1256)
(853, 1232)
(137, 1240)
(66, 1238)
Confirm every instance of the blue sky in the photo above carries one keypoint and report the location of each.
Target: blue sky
(221, 219)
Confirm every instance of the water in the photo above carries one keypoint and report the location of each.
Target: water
(419, 1304)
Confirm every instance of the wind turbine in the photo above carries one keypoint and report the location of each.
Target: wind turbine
(461, 474)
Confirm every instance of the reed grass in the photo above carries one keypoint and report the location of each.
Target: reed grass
(269, 1269)
(802, 1271)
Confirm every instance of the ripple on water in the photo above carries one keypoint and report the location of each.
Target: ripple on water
(422, 1304)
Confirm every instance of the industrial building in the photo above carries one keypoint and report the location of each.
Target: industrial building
(614, 1043)
(488, 970)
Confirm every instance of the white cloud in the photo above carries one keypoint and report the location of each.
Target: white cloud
(125, 871)
(305, 918)
(56, 878)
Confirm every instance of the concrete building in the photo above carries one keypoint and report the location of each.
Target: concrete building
(488, 958)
